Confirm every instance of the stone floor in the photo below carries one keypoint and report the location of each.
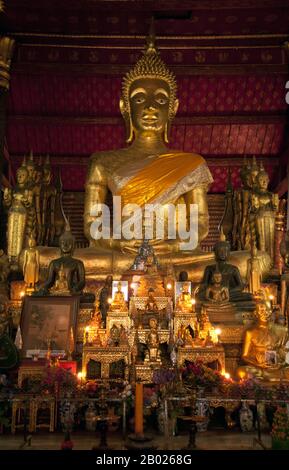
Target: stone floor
(210, 440)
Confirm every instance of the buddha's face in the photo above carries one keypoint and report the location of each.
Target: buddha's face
(254, 173)
(66, 245)
(21, 176)
(247, 180)
(263, 181)
(149, 101)
(31, 243)
(46, 175)
(262, 312)
(222, 252)
(38, 175)
(31, 171)
(217, 278)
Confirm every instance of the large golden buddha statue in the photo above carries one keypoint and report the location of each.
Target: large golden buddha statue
(148, 172)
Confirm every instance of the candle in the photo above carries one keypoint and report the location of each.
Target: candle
(138, 410)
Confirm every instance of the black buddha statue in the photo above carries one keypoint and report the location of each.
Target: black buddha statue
(73, 269)
(231, 278)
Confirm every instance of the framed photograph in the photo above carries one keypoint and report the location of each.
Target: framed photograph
(48, 320)
(271, 358)
(124, 288)
(182, 286)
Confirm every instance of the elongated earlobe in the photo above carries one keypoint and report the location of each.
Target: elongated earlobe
(166, 133)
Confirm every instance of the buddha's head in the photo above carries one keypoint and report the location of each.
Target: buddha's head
(186, 287)
(66, 241)
(148, 103)
(39, 171)
(217, 278)
(30, 165)
(254, 170)
(245, 175)
(151, 293)
(263, 314)
(47, 175)
(31, 242)
(262, 179)
(222, 248)
(22, 175)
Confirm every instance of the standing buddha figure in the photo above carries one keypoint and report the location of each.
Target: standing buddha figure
(241, 229)
(18, 201)
(264, 208)
(31, 265)
(48, 205)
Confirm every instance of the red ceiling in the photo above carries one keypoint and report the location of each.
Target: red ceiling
(65, 88)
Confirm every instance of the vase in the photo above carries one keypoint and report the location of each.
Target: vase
(202, 409)
(246, 418)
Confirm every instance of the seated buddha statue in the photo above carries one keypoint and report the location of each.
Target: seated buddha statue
(263, 338)
(184, 300)
(118, 302)
(153, 353)
(71, 271)
(61, 284)
(147, 172)
(151, 305)
(231, 278)
(217, 293)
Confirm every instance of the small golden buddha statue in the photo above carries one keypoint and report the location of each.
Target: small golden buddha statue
(31, 265)
(118, 303)
(61, 284)
(216, 293)
(264, 207)
(151, 305)
(184, 300)
(260, 341)
(17, 201)
(153, 353)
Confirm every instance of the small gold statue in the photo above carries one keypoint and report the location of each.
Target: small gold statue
(31, 265)
(262, 342)
(118, 302)
(264, 208)
(151, 305)
(18, 201)
(184, 300)
(114, 336)
(153, 353)
(61, 284)
(217, 293)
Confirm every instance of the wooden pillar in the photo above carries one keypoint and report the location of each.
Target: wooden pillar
(6, 51)
(138, 409)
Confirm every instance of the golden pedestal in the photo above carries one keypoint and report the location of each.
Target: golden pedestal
(206, 355)
(105, 356)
